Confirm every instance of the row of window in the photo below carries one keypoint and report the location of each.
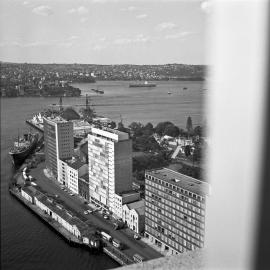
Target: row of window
(158, 187)
(175, 209)
(173, 187)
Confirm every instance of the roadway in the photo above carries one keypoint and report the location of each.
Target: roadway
(76, 203)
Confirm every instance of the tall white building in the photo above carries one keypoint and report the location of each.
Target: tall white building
(110, 165)
(59, 141)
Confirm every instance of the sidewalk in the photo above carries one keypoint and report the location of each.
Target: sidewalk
(154, 246)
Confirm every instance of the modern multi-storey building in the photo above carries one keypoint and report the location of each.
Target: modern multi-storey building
(59, 142)
(110, 165)
(174, 210)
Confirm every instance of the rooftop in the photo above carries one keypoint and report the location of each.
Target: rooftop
(136, 205)
(75, 163)
(186, 182)
(111, 133)
(56, 119)
(126, 193)
(85, 177)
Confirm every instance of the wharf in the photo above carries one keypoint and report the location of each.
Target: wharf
(68, 237)
(35, 126)
(108, 248)
(117, 255)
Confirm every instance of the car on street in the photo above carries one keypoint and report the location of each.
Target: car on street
(106, 217)
(86, 212)
(137, 236)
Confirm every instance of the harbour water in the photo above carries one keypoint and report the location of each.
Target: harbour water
(26, 243)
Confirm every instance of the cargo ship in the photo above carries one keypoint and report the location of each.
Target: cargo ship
(23, 147)
(145, 84)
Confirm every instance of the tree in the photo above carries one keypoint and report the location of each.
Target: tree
(148, 129)
(136, 128)
(198, 131)
(112, 124)
(160, 128)
(121, 127)
(189, 125)
(172, 130)
(187, 150)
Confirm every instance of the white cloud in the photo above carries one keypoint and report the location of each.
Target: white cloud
(140, 38)
(206, 6)
(80, 10)
(141, 16)
(130, 8)
(166, 25)
(73, 37)
(83, 19)
(179, 35)
(98, 47)
(43, 10)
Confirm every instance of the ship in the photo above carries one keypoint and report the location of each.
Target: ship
(97, 91)
(145, 84)
(23, 147)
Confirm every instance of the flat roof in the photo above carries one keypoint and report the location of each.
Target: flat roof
(85, 177)
(111, 133)
(136, 205)
(56, 119)
(126, 193)
(183, 181)
(75, 164)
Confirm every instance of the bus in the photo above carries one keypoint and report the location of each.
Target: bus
(138, 258)
(106, 236)
(116, 243)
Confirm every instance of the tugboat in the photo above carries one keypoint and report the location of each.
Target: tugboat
(23, 147)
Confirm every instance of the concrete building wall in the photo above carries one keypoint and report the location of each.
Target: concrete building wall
(174, 218)
(27, 196)
(110, 166)
(123, 166)
(62, 172)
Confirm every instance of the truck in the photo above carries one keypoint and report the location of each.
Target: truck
(116, 243)
(106, 236)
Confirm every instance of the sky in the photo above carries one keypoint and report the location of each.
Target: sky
(103, 31)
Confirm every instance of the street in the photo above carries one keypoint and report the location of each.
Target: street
(76, 203)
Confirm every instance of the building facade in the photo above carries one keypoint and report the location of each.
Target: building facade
(110, 165)
(134, 215)
(123, 198)
(83, 186)
(59, 142)
(69, 172)
(174, 210)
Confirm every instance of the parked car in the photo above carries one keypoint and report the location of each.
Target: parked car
(106, 217)
(86, 212)
(137, 236)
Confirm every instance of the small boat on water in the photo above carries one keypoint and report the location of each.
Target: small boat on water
(23, 147)
(185, 88)
(145, 84)
(97, 91)
(169, 93)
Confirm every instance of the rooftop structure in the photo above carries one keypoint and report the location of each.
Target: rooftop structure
(180, 180)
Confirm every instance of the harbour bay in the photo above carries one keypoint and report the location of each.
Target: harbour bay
(23, 235)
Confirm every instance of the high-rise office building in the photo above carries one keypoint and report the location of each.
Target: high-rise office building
(174, 210)
(59, 141)
(110, 165)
